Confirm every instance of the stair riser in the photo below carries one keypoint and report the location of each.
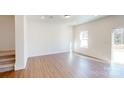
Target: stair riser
(6, 69)
(7, 59)
(3, 51)
(7, 56)
(6, 65)
(7, 62)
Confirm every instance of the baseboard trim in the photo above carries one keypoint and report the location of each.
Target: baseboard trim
(44, 54)
(91, 57)
(20, 67)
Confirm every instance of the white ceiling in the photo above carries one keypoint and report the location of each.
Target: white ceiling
(59, 19)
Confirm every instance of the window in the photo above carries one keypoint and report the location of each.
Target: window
(84, 39)
(118, 36)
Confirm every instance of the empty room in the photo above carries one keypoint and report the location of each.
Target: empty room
(61, 46)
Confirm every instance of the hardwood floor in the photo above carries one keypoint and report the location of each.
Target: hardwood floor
(66, 65)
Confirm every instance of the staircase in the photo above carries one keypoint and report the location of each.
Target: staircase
(7, 60)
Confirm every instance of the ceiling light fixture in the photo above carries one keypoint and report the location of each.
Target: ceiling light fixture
(67, 16)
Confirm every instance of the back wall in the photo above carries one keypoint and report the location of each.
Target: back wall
(46, 38)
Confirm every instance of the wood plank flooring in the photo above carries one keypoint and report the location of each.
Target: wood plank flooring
(66, 65)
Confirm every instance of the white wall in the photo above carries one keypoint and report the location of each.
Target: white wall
(46, 38)
(25, 41)
(99, 36)
(7, 32)
(21, 42)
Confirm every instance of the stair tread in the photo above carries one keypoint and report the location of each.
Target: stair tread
(7, 59)
(7, 53)
(1, 51)
(7, 65)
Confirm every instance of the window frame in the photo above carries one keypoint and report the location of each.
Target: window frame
(84, 37)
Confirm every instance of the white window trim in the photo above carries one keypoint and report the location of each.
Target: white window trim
(84, 38)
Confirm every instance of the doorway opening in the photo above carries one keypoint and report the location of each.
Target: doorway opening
(118, 46)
